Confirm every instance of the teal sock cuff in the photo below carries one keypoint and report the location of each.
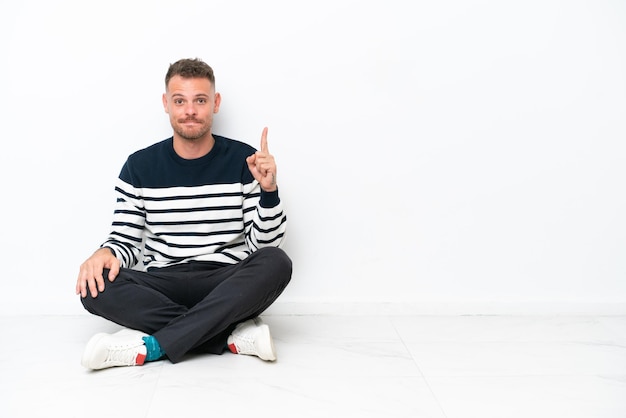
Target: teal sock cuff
(153, 348)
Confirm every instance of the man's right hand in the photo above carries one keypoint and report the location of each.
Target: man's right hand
(90, 275)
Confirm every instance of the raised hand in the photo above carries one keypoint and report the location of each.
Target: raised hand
(262, 166)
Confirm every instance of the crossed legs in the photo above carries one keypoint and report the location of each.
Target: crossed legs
(193, 306)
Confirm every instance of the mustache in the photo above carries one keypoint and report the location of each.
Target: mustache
(190, 120)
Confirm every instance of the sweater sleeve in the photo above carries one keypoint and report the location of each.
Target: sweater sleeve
(125, 238)
(264, 218)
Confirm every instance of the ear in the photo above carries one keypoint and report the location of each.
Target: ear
(218, 100)
(165, 103)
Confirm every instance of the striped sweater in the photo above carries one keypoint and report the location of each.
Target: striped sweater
(205, 209)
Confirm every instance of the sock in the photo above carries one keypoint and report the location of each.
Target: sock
(155, 352)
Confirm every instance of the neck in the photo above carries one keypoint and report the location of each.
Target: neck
(190, 149)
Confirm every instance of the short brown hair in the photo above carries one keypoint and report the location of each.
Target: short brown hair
(190, 68)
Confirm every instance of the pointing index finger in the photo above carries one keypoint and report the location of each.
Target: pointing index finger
(264, 140)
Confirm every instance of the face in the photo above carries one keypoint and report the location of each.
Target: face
(191, 103)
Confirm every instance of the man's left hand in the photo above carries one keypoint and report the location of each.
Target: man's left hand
(262, 166)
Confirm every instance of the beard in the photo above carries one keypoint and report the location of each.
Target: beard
(191, 134)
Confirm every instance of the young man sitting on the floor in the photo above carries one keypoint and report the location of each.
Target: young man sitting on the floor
(207, 211)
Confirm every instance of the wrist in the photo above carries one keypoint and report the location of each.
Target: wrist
(269, 199)
(109, 249)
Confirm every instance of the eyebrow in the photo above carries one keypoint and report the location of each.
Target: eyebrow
(197, 95)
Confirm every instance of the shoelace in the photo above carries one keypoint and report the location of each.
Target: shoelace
(125, 355)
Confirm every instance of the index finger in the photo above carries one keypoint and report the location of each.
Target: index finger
(264, 140)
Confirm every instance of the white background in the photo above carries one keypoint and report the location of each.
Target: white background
(434, 156)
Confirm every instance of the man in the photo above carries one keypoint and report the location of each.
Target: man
(207, 211)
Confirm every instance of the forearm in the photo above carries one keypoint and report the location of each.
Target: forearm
(126, 236)
(269, 222)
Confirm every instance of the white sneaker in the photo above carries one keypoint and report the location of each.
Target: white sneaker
(124, 348)
(252, 338)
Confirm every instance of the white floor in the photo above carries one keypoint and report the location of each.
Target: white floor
(334, 366)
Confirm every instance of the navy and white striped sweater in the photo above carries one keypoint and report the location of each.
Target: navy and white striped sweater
(205, 209)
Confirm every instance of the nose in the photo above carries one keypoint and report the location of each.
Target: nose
(190, 109)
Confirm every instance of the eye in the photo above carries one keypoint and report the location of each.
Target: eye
(202, 101)
(178, 101)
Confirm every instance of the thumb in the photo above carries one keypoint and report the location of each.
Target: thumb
(114, 269)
